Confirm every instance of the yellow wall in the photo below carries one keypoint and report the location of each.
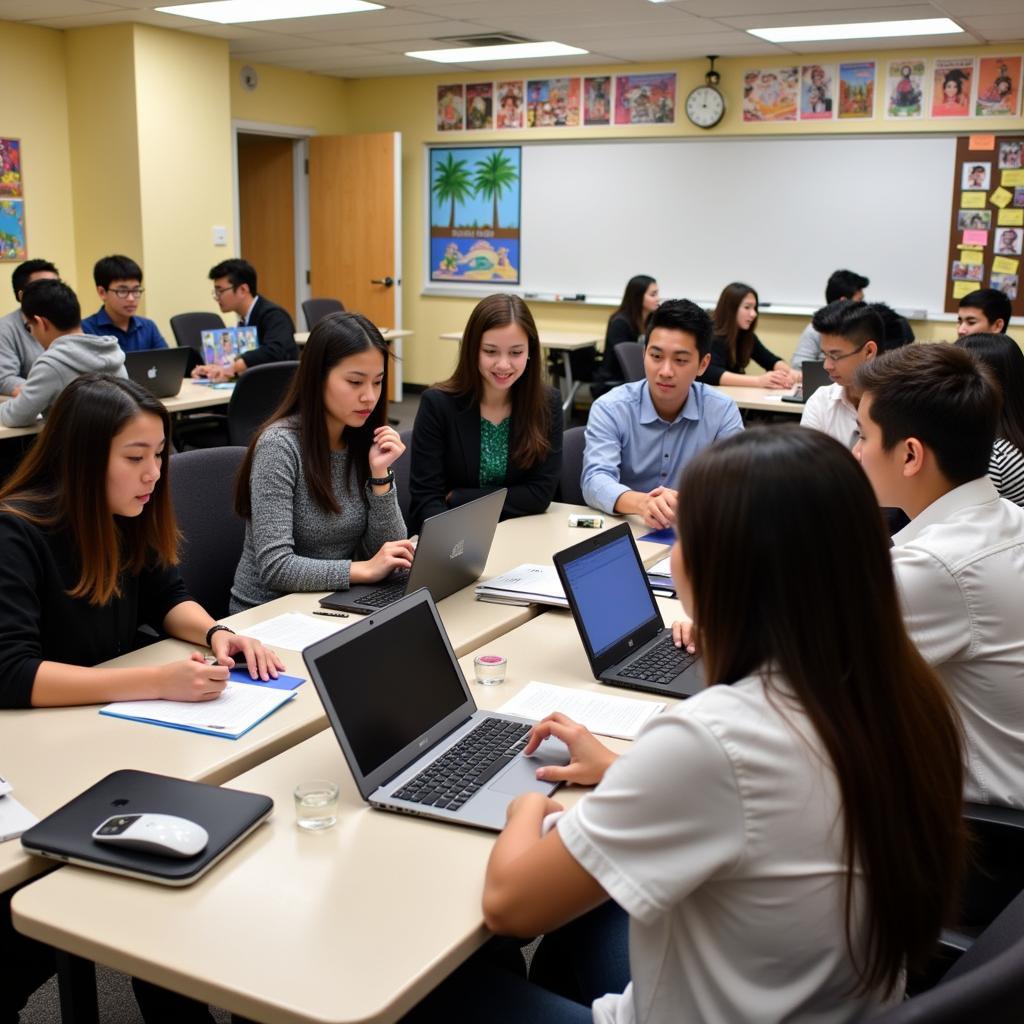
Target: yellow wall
(296, 98)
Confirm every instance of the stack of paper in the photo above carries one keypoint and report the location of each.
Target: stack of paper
(293, 630)
(526, 584)
(660, 577)
(14, 818)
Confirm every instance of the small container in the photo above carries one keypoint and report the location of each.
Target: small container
(594, 522)
(490, 669)
(316, 805)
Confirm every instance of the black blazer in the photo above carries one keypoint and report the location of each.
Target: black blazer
(275, 331)
(446, 457)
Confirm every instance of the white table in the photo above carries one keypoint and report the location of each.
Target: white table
(764, 400)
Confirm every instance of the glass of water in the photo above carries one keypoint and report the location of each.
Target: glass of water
(490, 669)
(316, 805)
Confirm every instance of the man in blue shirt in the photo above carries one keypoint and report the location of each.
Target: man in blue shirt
(119, 284)
(640, 435)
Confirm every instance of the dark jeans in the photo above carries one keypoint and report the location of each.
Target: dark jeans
(24, 965)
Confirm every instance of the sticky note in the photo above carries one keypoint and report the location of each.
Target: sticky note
(981, 143)
(1004, 265)
(969, 248)
(972, 256)
(972, 200)
(1010, 218)
(962, 288)
(976, 237)
(1000, 197)
(1013, 177)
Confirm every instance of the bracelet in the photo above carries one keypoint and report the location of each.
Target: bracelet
(217, 628)
(382, 481)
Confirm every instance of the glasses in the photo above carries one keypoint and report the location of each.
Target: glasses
(126, 293)
(832, 357)
(218, 292)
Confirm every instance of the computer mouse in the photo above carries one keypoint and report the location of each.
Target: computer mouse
(163, 834)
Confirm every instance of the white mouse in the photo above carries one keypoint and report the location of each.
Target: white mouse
(164, 834)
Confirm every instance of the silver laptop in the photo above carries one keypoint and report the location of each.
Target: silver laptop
(451, 554)
(159, 370)
(814, 376)
(408, 725)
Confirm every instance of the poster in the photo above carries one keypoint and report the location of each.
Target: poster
(645, 99)
(816, 101)
(1010, 155)
(553, 103)
(12, 230)
(1008, 241)
(904, 89)
(998, 87)
(597, 100)
(480, 106)
(951, 86)
(510, 104)
(474, 213)
(967, 271)
(11, 185)
(450, 106)
(770, 94)
(1006, 283)
(976, 174)
(857, 89)
(973, 220)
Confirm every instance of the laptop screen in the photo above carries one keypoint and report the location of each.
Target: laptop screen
(611, 593)
(390, 684)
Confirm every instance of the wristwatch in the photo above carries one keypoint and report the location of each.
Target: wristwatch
(217, 628)
(383, 481)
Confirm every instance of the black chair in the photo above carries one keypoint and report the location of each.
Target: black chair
(569, 488)
(188, 328)
(203, 495)
(401, 467)
(257, 394)
(631, 360)
(314, 310)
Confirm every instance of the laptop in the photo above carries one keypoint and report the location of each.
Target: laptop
(451, 554)
(409, 728)
(160, 370)
(814, 377)
(623, 633)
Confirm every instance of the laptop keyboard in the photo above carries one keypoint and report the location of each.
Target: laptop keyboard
(389, 593)
(455, 776)
(661, 664)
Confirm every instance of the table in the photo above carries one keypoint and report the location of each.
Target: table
(763, 400)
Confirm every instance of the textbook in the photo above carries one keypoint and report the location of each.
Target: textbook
(523, 585)
(225, 345)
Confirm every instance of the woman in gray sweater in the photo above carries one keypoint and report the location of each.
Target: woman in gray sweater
(316, 487)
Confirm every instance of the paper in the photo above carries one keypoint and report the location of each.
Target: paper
(14, 819)
(1010, 218)
(981, 143)
(1000, 197)
(971, 248)
(1015, 177)
(527, 584)
(1005, 265)
(662, 568)
(976, 237)
(282, 682)
(622, 717)
(962, 288)
(668, 535)
(294, 631)
(972, 256)
(972, 200)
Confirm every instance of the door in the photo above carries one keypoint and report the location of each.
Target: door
(354, 228)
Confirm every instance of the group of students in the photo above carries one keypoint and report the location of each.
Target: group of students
(733, 895)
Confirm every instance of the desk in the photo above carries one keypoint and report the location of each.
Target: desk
(392, 335)
(763, 400)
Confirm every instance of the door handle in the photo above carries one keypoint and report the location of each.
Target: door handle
(387, 281)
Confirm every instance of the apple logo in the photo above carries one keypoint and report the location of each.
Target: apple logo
(151, 373)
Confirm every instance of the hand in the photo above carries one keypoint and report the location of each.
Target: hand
(200, 371)
(393, 554)
(217, 372)
(193, 679)
(778, 379)
(386, 448)
(683, 635)
(261, 661)
(532, 803)
(589, 758)
(659, 510)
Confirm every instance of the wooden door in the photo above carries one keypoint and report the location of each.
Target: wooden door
(266, 206)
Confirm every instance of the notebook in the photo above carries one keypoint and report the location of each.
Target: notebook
(409, 728)
(623, 633)
(814, 377)
(159, 370)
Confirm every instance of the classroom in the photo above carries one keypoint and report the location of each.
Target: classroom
(308, 143)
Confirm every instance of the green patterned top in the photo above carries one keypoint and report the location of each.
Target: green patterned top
(493, 451)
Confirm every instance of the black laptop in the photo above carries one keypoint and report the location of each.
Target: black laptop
(160, 370)
(814, 377)
(622, 630)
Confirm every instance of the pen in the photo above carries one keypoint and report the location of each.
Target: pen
(221, 727)
(333, 615)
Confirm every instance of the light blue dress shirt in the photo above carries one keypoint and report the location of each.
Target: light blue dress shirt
(629, 447)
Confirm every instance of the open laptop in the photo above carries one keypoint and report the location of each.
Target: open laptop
(160, 370)
(409, 728)
(451, 554)
(622, 630)
(814, 377)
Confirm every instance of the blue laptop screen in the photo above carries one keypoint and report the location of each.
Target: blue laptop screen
(611, 593)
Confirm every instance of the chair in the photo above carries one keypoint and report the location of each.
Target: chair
(203, 496)
(188, 327)
(401, 467)
(631, 360)
(257, 394)
(314, 310)
(569, 488)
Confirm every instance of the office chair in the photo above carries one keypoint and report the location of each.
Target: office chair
(188, 327)
(314, 310)
(631, 360)
(569, 488)
(257, 394)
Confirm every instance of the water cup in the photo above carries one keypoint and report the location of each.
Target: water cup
(316, 805)
(490, 669)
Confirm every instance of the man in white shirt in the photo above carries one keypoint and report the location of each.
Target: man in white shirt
(928, 417)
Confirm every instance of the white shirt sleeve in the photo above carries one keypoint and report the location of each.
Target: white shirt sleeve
(814, 411)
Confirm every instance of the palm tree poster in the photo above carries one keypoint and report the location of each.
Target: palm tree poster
(474, 213)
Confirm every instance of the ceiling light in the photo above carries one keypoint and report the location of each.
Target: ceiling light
(509, 51)
(859, 30)
(231, 12)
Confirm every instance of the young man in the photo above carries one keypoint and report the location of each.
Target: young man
(234, 288)
(641, 434)
(18, 349)
(985, 311)
(928, 416)
(843, 284)
(119, 286)
(51, 310)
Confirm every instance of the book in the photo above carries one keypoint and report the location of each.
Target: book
(225, 345)
(526, 584)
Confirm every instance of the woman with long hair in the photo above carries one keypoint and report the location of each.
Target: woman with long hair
(493, 423)
(735, 344)
(316, 488)
(784, 844)
(626, 325)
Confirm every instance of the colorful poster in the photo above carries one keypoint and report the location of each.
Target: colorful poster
(974, 220)
(1018, 196)
(1006, 283)
(1010, 155)
(553, 103)
(904, 90)
(816, 92)
(976, 175)
(967, 271)
(450, 106)
(951, 86)
(597, 100)
(475, 213)
(998, 87)
(770, 94)
(510, 104)
(1008, 241)
(857, 89)
(12, 231)
(645, 99)
(11, 185)
(480, 106)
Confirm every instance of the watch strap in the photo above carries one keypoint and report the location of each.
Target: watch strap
(382, 481)
(217, 628)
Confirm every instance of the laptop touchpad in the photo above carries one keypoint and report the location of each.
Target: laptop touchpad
(521, 775)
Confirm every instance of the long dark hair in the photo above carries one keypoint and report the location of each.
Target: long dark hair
(61, 484)
(1006, 361)
(632, 304)
(834, 633)
(530, 429)
(334, 338)
(739, 344)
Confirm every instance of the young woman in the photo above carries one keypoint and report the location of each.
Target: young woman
(1006, 361)
(735, 344)
(626, 324)
(316, 487)
(493, 423)
(786, 842)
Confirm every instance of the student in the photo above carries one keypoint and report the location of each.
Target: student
(54, 319)
(119, 286)
(641, 435)
(734, 344)
(928, 419)
(493, 423)
(1004, 358)
(985, 311)
(234, 288)
(316, 487)
(18, 349)
(626, 326)
(819, 781)
(842, 284)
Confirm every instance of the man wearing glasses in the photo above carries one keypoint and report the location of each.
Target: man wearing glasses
(119, 286)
